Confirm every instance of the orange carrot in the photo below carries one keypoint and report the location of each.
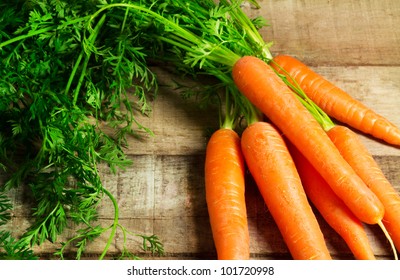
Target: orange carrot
(358, 156)
(259, 83)
(225, 188)
(332, 208)
(336, 102)
(274, 172)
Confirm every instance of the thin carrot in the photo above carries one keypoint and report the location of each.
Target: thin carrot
(259, 83)
(358, 156)
(336, 102)
(332, 208)
(225, 189)
(274, 172)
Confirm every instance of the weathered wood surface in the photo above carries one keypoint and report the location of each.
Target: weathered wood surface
(335, 32)
(355, 44)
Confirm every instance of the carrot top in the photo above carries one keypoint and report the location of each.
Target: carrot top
(209, 38)
(203, 38)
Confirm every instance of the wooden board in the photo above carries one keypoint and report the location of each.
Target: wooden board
(355, 44)
(334, 32)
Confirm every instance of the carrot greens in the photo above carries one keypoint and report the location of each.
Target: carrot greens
(64, 76)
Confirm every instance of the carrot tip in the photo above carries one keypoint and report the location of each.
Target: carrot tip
(382, 226)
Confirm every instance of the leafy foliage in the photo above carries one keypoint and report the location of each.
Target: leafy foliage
(64, 74)
(5, 208)
(205, 38)
(11, 249)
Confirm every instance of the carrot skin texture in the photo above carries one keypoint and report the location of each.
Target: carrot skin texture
(274, 172)
(225, 195)
(332, 208)
(358, 156)
(260, 84)
(336, 102)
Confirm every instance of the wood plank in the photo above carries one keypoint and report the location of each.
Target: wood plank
(164, 195)
(322, 32)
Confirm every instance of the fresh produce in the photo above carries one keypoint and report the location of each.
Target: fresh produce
(225, 190)
(192, 55)
(259, 83)
(332, 208)
(360, 159)
(335, 102)
(68, 68)
(225, 195)
(273, 169)
(255, 84)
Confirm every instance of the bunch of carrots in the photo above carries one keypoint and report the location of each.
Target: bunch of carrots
(294, 161)
(294, 158)
(298, 157)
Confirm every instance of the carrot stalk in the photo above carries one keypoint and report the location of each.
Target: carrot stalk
(225, 189)
(332, 208)
(335, 102)
(358, 156)
(274, 172)
(259, 83)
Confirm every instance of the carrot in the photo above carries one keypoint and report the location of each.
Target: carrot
(332, 208)
(336, 102)
(358, 156)
(225, 189)
(274, 172)
(266, 90)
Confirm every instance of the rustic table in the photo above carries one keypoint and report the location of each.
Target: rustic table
(355, 44)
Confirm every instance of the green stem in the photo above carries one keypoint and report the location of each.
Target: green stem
(323, 119)
(186, 5)
(185, 33)
(114, 225)
(125, 18)
(60, 252)
(26, 36)
(244, 22)
(41, 31)
(229, 119)
(91, 40)
(211, 51)
(253, 114)
(81, 78)
(73, 72)
(176, 41)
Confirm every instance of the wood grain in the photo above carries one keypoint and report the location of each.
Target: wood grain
(324, 32)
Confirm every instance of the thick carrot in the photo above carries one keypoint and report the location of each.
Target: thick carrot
(225, 195)
(336, 102)
(275, 174)
(332, 208)
(260, 84)
(358, 156)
